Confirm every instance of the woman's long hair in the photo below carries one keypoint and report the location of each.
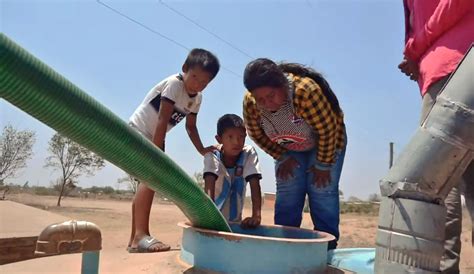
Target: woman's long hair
(264, 72)
(303, 71)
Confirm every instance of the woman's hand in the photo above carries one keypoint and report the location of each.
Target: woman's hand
(322, 178)
(285, 170)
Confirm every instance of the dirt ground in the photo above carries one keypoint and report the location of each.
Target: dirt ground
(113, 218)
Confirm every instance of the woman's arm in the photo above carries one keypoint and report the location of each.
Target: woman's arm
(315, 109)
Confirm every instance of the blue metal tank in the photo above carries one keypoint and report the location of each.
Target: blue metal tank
(266, 249)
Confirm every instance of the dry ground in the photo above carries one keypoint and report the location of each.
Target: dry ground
(113, 217)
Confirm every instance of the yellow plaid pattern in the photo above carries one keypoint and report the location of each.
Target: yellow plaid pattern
(310, 104)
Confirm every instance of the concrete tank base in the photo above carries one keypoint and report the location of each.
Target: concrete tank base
(266, 249)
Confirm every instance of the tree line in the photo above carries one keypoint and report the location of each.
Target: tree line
(71, 160)
(66, 156)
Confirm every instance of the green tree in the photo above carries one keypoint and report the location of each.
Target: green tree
(374, 197)
(70, 185)
(72, 160)
(354, 199)
(15, 149)
(132, 183)
(108, 190)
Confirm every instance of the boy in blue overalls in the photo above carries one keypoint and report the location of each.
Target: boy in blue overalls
(228, 169)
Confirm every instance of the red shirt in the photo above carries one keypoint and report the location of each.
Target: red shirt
(438, 34)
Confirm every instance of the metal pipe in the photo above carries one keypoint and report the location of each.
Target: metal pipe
(69, 237)
(412, 215)
(90, 262)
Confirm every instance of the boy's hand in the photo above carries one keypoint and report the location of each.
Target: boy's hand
(251, 222)
(208, 149)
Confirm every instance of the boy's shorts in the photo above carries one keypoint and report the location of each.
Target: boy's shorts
(145, 135)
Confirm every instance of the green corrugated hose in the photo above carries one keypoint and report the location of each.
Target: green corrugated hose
(37, 89)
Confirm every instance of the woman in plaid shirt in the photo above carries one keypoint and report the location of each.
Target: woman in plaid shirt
(292, 114)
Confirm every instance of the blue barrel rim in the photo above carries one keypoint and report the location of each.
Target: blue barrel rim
(322, 236)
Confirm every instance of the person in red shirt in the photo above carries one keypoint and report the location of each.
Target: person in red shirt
(438, 34)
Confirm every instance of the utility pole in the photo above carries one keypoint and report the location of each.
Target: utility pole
(390, 163)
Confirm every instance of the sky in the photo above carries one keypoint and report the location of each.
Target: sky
(117, 59)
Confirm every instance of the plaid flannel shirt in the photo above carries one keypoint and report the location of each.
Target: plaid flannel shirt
(310, 104)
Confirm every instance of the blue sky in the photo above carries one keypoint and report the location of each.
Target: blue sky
(357, 45)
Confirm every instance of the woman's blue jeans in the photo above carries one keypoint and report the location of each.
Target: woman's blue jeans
(323, 202)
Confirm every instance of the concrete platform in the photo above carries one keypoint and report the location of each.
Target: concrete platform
(20, 226)
(19, 220)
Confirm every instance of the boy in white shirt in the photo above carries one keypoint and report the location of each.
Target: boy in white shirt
(165, 105)
(228, 169)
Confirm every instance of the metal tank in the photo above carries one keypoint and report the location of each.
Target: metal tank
(266, 249)
(410, 234)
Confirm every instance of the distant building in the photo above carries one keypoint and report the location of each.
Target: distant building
(269, 199)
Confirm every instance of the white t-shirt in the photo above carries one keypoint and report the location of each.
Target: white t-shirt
(231, 182)
(145, 117)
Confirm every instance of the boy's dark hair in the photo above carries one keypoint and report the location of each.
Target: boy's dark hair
(264, 72)
(203, 59)
(229, 121)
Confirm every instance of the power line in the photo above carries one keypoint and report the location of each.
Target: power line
(205, 29)
(144, 26)
(232, 72)
(157, 33)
